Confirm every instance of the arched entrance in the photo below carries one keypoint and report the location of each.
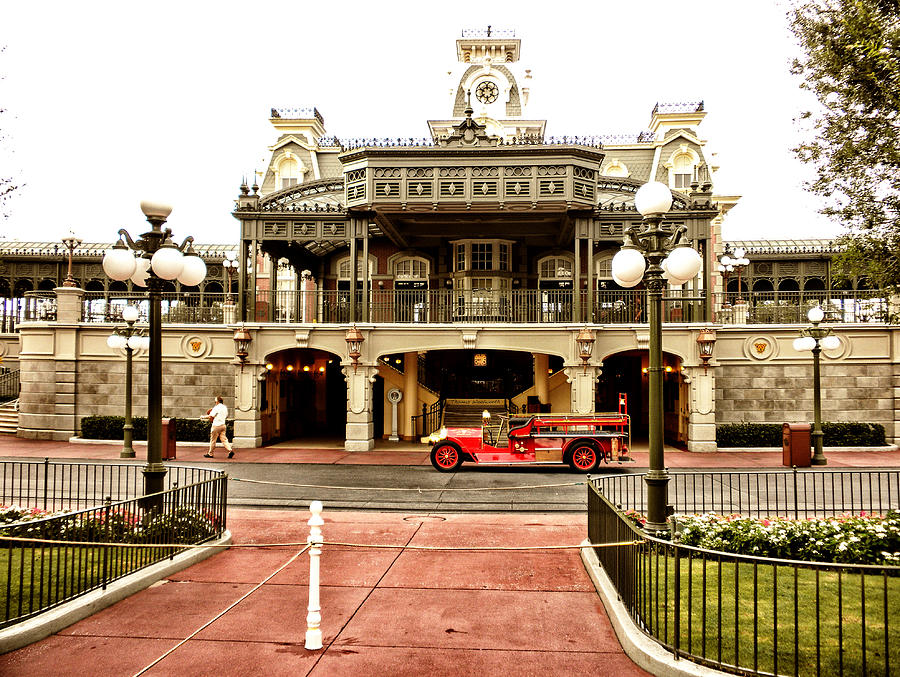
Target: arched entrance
(304, 396)
(626, 372)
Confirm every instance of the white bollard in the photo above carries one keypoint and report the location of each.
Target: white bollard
(314, 617)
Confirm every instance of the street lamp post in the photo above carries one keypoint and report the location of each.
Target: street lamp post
(230, 264)
(159, 260)
(70, 242)
(129, 339)
(658, 254)
(815, 338)
(733, 262)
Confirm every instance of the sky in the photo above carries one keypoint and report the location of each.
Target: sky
(111, 103)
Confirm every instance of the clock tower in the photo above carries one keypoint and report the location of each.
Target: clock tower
(489, 74)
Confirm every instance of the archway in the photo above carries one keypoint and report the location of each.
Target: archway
(304, 396)
(626, 372)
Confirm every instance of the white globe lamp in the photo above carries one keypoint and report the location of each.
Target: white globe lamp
(193, 272)
(653, 198)
(831, 342)
(629, 265)
(119, 263)
(130, 314)
(815, 314)
(684, 263)
(141, 272)
(167, 262)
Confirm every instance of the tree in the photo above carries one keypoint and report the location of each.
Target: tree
(7, 184)
(851, 62)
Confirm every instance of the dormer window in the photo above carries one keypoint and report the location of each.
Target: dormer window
(682, 172)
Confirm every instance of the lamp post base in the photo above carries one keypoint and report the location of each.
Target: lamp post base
(818, 460)
(127, 452)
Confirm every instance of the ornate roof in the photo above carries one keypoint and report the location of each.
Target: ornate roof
(817, 246)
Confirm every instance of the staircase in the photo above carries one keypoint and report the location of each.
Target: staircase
(460, 413)
(9, 417)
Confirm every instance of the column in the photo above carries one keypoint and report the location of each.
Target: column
(583, 382)
(541, 377)
(248, 384)
(254, 256)
(366, 282)
(360, 428)
(353, 256)
(242, 281)
(576, 281)
(702, 418)
(273, 286)
(410, 404)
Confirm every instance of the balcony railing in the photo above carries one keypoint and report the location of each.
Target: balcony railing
(449, 306)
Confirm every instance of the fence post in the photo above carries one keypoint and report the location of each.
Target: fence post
(106, 503)
(796, 497)
(46, 472)
(676, 622)
(314, 617)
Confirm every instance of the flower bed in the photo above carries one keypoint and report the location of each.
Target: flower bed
(862, 538)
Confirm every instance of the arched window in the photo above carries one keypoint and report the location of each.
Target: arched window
(343, 268)
(289, 170)
(411, 269)
(682, 171)
(615, 168)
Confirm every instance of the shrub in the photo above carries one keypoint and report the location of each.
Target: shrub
(850, 539)
(110, 428)
(769, 435)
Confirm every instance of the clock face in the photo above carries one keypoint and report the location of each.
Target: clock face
(487, 92)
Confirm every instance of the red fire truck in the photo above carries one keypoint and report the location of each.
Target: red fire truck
(582, 441)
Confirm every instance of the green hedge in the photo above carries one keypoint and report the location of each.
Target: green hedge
(110, 428)
(769, 435)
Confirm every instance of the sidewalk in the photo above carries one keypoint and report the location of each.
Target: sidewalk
(384, 611)
(411, 453)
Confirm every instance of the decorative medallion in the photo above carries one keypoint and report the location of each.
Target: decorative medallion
(760, 347)
(487, 92)
(195, 346)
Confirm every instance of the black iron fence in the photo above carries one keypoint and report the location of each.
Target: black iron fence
(429, 420)
(443, 306)
(99, 544)
(754, 615)
(9, 384)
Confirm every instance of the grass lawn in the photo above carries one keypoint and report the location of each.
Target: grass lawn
(34, 578)
(775, 618)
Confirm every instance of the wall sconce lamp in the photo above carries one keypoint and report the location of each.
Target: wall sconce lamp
(242, 340)
(706, 341)
(354, 340)
(585, 341)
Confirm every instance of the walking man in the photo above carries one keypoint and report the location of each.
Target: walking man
(217, 415)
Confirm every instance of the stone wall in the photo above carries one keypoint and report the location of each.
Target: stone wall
(779, 393)
(189, 388)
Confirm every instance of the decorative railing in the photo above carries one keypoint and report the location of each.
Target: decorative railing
(9, 384)
(429, 420)
(93, 546)
(450, 306)
(176, 307)
(754, 615)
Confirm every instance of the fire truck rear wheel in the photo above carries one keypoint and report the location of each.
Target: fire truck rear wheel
(446, 457)
(584, 457)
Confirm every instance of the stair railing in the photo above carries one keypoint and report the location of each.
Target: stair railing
(9, 384)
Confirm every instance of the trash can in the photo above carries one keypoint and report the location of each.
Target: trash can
(796, 444)
(168, 439)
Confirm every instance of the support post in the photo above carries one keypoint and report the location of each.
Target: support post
(314, 615)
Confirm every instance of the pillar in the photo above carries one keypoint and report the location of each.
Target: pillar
(702, 418)
(583, 382)
(541, 377)
(249, 381)
(360, 434)
(410, 402)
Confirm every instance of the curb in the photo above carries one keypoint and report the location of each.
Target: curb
(645, 652)
(53, 620)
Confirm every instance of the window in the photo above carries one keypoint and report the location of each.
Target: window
(411, 269)
(476, 255)
(683, 172)
(556, 268)
(290, 173)
(482, 256)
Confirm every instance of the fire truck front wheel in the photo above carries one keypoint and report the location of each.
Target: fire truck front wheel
(584, 457)
(446, 457)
